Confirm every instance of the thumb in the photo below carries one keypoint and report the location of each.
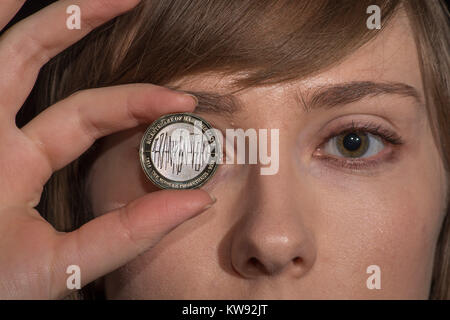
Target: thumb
(111, 240)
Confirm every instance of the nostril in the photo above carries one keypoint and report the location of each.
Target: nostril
(256, 264)
(253, 261)
(297, 260)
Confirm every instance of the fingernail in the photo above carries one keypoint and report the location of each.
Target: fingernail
(193, 98)
(213, 201)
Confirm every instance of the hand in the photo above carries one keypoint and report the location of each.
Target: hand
(33, 255)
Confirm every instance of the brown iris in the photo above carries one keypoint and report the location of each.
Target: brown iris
(352, 144)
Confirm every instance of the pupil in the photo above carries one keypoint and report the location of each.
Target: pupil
(352, 142)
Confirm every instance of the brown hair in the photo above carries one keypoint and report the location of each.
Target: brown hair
(272, 41)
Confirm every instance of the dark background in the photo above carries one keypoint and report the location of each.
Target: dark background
(28, 8)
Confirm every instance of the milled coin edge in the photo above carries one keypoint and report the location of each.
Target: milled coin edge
(164, 185)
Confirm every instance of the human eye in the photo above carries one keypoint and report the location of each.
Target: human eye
(359, 146)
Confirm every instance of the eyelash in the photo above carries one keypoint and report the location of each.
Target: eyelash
(388, 137)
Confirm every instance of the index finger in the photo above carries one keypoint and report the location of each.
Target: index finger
(29, 44)
(8, 8)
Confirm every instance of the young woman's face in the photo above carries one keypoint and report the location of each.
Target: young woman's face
(312, 229)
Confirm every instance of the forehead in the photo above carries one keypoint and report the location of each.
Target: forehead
(390, 57)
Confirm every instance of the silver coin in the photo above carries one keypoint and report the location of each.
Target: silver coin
(179, 151)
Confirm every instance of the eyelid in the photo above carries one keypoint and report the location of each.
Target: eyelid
(391, 139)
(387, 135)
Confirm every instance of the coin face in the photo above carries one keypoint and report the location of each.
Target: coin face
(179, 151)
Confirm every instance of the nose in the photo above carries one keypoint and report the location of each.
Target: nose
(271, 238)
(271, 255)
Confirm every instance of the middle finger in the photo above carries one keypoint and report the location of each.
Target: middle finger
(64, 131)
(29, 44)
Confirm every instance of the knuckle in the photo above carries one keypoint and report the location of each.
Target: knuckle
(89, 128)
(24, 49)
(125, 226)
(38, 148)
(97, 10)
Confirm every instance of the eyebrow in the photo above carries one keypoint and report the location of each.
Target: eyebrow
(327, 96)
(345, 93)
(209, 102)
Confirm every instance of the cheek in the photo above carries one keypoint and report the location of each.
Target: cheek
(186, 264)
(391, 221)
(116, 179)
(173, 269)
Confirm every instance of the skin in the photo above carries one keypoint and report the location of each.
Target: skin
(303, 225)
(34, 257)
(311, 230)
